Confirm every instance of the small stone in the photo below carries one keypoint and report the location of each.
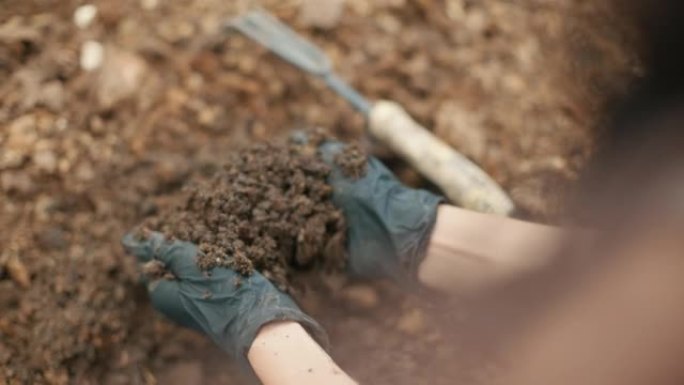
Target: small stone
(456, 10)
(175, 31)
(45, 160)
(17, 182)
(149, 5)
(84, 172)
(92, 55)
(171, 170)
(476, 21)
(17, 271)
(514, 83)
(22, 135)
(206, 63)
(52, 95)
(56, 376)
(61, 124)
(411, 322)
(43, 207)
(361, 296)
(121, 76)
(84, 15)
(208, 116)
(11, 159)
(324, 14)
(389, 23)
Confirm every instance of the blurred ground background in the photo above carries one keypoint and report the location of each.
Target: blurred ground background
(103, 118)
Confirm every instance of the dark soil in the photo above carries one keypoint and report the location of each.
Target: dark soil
(87, 155)
(352, 161)
(268, 209)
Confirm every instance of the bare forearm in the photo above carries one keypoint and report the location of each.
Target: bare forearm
(283, 353)
(471, 251)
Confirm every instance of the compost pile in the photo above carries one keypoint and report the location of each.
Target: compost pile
(105, 117)
(268, 209)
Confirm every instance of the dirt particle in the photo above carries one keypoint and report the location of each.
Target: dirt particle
(84, 15)
(92, 55)
(121, 76)
(149, 5)
(56, 376)
(18, 271)
(17, 182)
(352, 160)
(321, 14)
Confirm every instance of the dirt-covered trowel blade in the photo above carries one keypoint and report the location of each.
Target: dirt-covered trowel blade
(262, 27)
(268, 31)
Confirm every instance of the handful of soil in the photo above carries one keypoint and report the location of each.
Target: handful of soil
(269, 209)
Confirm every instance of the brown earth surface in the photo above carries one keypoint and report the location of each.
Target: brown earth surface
(90, 147)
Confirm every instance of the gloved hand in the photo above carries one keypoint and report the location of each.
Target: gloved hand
(226, 306)
(388, 224)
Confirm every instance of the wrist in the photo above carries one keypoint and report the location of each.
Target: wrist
(272, 333)
(470, 252)
(284, 353)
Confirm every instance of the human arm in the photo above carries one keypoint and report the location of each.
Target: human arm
(470, 251)
(414, 237)
(240, 314)
(283, 353)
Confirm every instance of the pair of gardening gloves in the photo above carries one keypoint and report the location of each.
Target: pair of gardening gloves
(388, 229)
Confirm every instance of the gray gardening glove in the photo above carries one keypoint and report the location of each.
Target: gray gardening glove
(226, 306)
(388, 224)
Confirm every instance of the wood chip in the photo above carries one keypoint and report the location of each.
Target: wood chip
(18, 272)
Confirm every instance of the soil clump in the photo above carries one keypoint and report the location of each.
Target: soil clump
(268, 209)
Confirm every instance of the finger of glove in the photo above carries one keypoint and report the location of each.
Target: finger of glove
(329, 151)
(143, 248)
(180, 258)
(166, 298)
(375, 168)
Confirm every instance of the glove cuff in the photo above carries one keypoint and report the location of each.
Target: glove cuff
(258, 321)
(413, 257)
(285, 310)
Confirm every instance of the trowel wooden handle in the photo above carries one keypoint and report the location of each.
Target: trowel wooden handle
(463, 182)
